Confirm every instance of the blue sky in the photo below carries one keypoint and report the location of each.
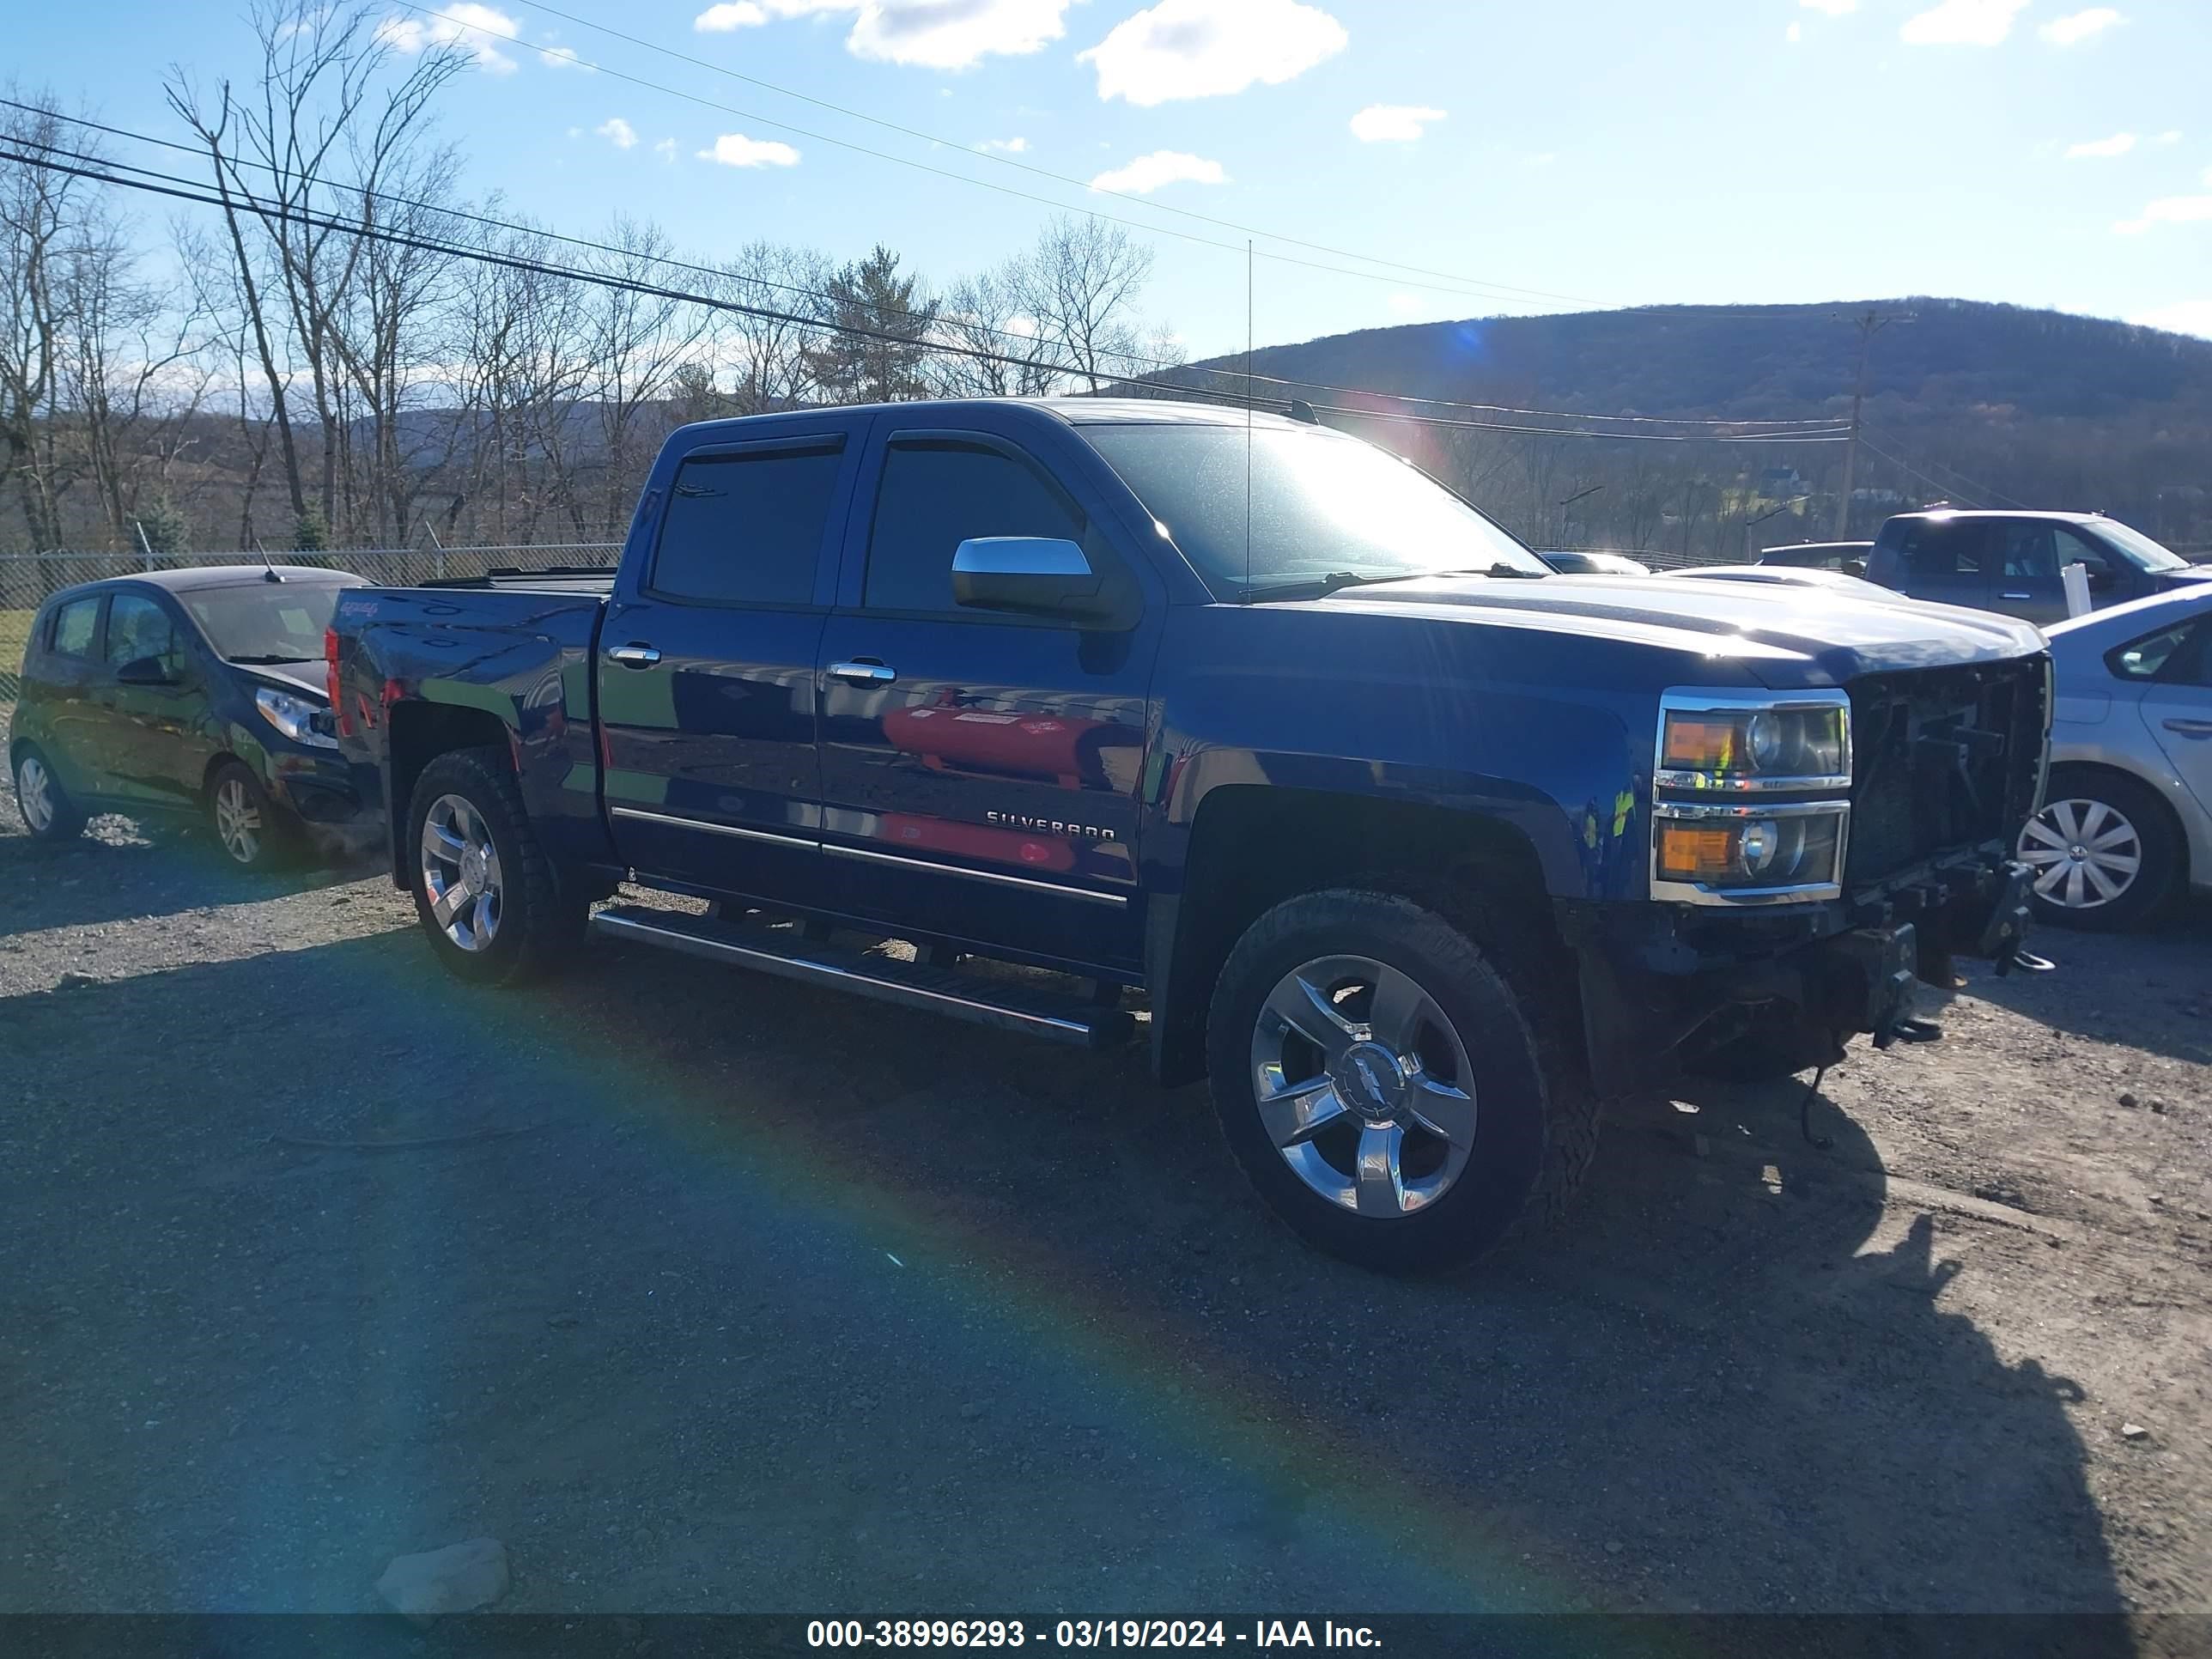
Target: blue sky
(2043, 152)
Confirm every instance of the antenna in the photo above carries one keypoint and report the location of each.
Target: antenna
(1248, 422)
(268, 565)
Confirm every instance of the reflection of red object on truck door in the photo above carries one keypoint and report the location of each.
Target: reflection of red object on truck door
(983, 843)
(1025, 745)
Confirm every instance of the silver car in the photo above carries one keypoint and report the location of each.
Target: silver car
(2126, 827)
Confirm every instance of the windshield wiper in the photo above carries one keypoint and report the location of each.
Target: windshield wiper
(265, 661)
(1501, 569)
(1314, 587)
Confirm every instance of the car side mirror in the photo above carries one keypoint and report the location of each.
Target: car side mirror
(2100, 574)
(145, 670)
(1853, 568)
(1031, 576)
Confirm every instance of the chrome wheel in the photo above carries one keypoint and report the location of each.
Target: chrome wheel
(1363, 1085)
(2085, 854)
(460, 872)
(34, 794)
(237, 820)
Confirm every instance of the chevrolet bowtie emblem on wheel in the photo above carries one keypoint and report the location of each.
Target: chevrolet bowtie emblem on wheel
(1048, 826)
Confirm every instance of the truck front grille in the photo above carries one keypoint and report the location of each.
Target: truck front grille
(1944, 759)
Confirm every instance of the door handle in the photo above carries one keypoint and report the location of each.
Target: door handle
(862, 671)
(2015, 596)
(2190, 728)
(634, 655)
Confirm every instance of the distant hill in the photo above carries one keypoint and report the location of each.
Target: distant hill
(1987, 404)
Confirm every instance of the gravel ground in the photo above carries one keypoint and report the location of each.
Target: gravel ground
(704, 1291)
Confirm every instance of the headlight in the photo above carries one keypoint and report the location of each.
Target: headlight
(1744, 849)
(1737, 747)
(295, 717)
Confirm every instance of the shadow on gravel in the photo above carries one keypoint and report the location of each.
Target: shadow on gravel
(2150, 990)
(704, 1291)
(100, 877)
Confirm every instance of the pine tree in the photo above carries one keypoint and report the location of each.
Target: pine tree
(888, 362)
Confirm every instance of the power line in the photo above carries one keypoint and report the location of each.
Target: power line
(1998, 496)
(1914, 471)
(1462, 290)
(670, 261)
(1010, 161)
(176, 191)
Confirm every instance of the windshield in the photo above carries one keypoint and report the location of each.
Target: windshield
(2138, 549)
(266, 621)
(1321, 505)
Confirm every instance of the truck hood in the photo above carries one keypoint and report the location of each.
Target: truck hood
(1785, 635)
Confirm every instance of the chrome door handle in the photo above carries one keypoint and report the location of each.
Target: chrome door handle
(634, 655)
(2190, 728)
(864, 672)
(2015, 596)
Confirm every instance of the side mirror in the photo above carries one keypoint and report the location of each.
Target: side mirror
(1030, 575)
(145, 670)
(1853, 568)
(2100, 574)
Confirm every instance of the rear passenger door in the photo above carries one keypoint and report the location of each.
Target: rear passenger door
(1946, 560)
(705, 666)
(61, 681)
(980, 771)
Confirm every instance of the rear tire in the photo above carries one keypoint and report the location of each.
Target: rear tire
(485, 892)
(2127, 839)
(250, 830)
(48, 812)
(1430, 1128)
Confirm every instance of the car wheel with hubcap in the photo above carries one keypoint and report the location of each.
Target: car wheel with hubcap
(246, 824)
(48, 813)
(484, 893)
(2104, 850)
(1377, 1080)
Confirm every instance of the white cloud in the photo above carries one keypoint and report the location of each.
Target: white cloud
(1392, 124)
(2118, 144)
(732, 14)
(477, 30)
(617, 132)
(2171, 211)
(2171, 136)
(2079, 26)
(1833, 7)
(1205, 48)
(734, 149)
(933, 33)
(1163, 167)
(565, 58)
(1794, 33)
(1962, 23)
(1006, 146)
(2188, 317)
(665, 149)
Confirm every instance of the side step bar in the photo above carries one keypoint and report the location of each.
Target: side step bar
(934, 990)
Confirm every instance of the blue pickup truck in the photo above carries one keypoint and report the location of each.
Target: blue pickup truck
(1254, 738)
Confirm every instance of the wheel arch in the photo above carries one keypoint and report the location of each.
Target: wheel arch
(1253, 846)
(417, 732)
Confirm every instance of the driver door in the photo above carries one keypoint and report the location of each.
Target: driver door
(151, 734)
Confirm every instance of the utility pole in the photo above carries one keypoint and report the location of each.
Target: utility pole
(1869, 325)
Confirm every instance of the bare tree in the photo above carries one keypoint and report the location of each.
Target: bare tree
(1080, 285)
(42, 217)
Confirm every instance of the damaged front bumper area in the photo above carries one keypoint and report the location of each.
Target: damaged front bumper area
(1666, 981)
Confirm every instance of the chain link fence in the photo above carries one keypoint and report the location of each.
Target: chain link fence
(26, 579)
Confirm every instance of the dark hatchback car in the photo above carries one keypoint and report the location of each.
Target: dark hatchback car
(2012, 562)
(189, 695)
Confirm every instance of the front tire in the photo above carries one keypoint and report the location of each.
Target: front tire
(48, 812)
(484, 891)
(2105, 850)
(1377, 1079)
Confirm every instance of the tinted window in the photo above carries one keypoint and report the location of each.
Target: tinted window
(1936, 548)
(936, 496)
(2030, 551)
(2070, 549)
(136, 627)
(746, 529)
(75, 624)
(2180, 655)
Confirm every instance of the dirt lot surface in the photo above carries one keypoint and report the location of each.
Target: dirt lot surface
(704, 1291)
